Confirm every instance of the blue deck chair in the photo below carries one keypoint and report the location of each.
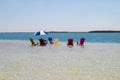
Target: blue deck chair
(50, 40)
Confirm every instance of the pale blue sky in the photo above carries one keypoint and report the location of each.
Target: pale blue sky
(59, 15)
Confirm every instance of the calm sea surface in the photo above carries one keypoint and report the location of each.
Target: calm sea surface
(90, 37)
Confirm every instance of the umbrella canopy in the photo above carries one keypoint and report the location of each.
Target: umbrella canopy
(40, 33)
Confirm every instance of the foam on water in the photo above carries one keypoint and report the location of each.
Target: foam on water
(95, 61)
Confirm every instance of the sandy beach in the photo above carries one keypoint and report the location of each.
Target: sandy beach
(95, 61)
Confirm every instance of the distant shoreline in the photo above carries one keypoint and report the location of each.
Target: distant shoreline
(96, 31)
(104, 31)
(65, 32)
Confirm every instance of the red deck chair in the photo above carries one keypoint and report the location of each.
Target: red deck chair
(70, 42)
(82, 40)
(42, 42)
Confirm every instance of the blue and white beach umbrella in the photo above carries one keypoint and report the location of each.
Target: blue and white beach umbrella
(40, 33)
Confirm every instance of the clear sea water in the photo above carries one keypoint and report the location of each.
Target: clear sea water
(90, 37)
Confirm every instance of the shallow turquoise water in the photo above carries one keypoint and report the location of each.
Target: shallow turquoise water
(90, 37)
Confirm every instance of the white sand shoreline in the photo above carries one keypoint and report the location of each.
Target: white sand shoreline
(96, 61)
(60, 42)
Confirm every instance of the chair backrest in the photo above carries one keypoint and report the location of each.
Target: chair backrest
(50, 40)
(82, 40)
(42, 42)
(32, 42)
(70, 42)
(56, 42)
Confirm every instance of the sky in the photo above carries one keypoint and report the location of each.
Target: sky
(59, 15)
